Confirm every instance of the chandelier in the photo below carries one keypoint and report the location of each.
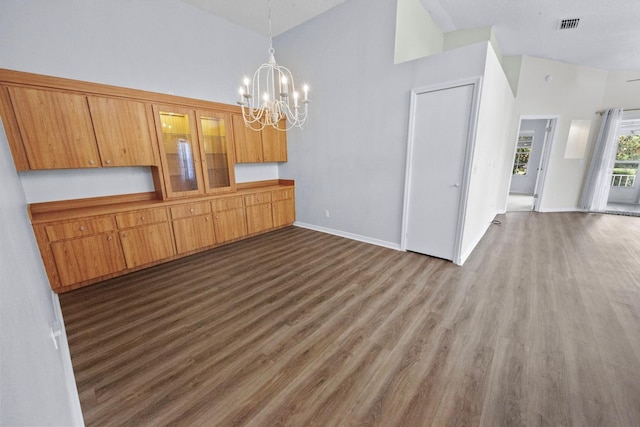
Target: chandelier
(272, 96)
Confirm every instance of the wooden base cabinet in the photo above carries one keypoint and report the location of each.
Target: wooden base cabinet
(259, 215)
(230, 218)
(147, 244)
(89, 257)
(284, 209)
(85, 241)
(193, 226)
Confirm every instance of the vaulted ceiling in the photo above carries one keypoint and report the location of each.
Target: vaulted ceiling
(607, 37)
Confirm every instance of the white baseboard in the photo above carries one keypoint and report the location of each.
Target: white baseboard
(352, 236)
(466, 254)
(551, 210)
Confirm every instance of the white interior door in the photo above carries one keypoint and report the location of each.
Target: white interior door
(441, 122)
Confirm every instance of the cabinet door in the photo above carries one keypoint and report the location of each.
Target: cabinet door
(122, 132)
(274, 143)
(230, 225)
(56, 128)
(86, 258)
(144, 245)
(180, 154)
(194, 233)
(215, 134)
(247, 142)
(259, 218)
(284, 212)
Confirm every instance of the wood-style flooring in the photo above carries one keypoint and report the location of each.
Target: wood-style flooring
(540, 327)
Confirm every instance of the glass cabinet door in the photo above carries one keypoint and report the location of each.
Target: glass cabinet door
(181, 155)
(216, 137)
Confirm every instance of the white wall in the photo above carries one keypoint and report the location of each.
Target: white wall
(620, 93)
(574, 93)
(417, 34)
(164, 46)
(350, 158)
(493, 148)
(36, 382)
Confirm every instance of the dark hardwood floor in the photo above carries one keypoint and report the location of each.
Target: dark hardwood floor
(541, 326)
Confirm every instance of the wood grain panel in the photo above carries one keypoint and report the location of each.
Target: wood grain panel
(274, 143)
(194, 233)
(230, 224)
(227, 203)
(284, 212)
(257, 198)
(143, 217)
(247, 142)
(144, 245)
(87, 257)
(191, 209)
(321, 330)
(56, 128)
(259, 218)
(84, 227)
(122, 131)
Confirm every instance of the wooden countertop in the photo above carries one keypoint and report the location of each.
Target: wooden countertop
(81, 208)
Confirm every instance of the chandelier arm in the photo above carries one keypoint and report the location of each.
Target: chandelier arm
(279, 101)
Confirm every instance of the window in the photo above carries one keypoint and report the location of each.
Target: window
(625, 168)
(523, 152)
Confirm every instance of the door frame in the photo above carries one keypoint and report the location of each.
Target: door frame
(476, 82)
(545, 157)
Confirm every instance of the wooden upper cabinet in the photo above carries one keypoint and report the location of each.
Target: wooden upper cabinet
(179, 150)
(55, 127)
(248, 142)
(274, 143)
(215, 134)
(122, 131)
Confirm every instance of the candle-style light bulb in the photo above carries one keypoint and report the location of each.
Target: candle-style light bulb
(305, 88)
(246, 85)
(295, 99)
(241, 92)
(285, 85)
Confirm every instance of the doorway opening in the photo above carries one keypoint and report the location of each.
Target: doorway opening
(529, 163)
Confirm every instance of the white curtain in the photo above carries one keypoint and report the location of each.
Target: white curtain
(598, 184)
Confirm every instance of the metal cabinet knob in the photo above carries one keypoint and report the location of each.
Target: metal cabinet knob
(141, 218)
(109, 238)
(91, 162)
(108, 162)
(191, 210)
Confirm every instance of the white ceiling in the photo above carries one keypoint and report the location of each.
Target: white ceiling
(608, 36)
(253, 14)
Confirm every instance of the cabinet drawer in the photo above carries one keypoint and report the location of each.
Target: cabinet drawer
(192, 209)
(148, 216)
(283, 194)
(257, 198)
(227, 203)
(80, 228)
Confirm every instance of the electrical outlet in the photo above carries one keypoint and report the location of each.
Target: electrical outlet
(326, 213)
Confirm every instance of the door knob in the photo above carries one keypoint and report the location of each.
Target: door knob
(456, 185)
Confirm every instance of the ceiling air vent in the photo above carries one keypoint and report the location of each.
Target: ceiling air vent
(569, 24)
